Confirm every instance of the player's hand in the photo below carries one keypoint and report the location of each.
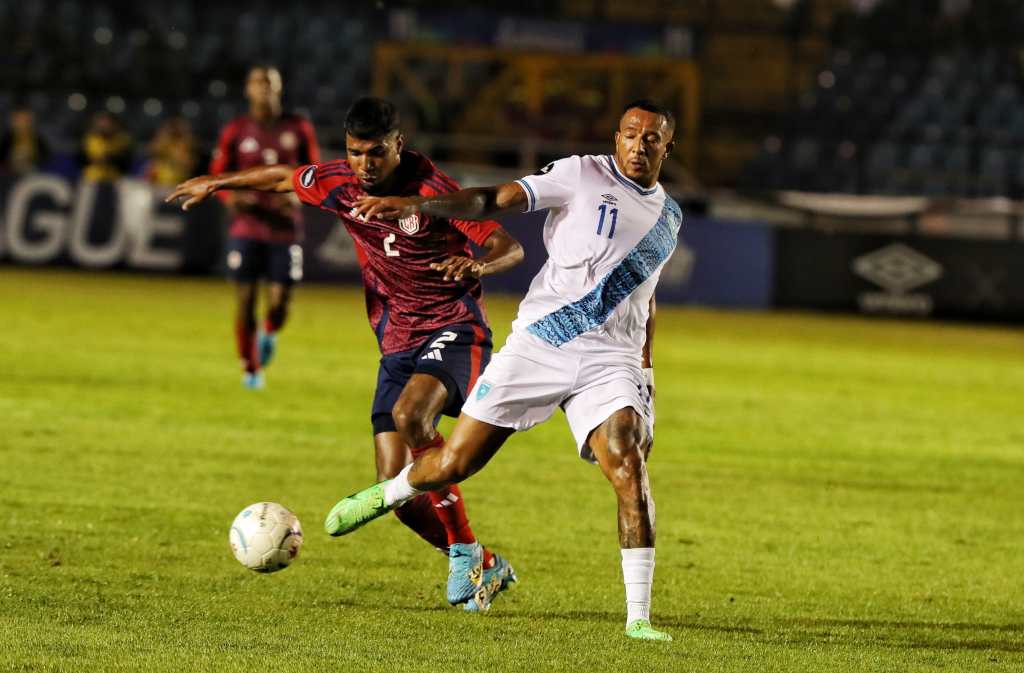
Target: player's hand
(385, 207)
(193, 191)
(456, 268)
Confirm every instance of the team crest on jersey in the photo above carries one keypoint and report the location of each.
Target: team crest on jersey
(289, 140)
(411, 224)
(482, 390)
(308, 177)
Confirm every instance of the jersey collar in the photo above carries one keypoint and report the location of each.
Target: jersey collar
(626, 181)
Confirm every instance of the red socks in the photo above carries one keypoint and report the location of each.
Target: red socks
(418, 514)
(450, 507)
(245, 340)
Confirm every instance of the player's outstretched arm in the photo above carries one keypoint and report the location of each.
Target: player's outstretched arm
(503, 252)
(259, 178)
(475, 203)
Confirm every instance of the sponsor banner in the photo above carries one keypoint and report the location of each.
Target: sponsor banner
(721, 263)
(46, 219)
(901, 276)
(716, 263)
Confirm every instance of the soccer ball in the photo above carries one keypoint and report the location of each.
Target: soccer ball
(265, 537)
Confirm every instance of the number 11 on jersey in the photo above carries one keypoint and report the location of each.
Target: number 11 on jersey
(614, 213)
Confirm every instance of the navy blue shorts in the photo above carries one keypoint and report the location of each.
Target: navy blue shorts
(250, 260)
(455, 355)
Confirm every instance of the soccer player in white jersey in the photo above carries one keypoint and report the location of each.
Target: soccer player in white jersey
(582, 340)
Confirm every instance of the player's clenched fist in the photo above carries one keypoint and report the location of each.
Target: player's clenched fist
(196, 190)
(457, 267)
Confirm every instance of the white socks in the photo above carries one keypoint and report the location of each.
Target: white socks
(638, 575)
(398, 489)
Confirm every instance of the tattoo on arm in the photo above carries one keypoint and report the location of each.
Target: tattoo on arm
(476, 203)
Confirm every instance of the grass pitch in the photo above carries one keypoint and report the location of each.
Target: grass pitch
(834, 494)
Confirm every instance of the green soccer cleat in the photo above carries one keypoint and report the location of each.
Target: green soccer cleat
(641, 629)
(357, 510)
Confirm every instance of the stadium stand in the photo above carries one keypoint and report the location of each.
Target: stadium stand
(929, 106)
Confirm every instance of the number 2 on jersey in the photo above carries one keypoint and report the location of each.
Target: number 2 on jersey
(391, 252)
(614, 213)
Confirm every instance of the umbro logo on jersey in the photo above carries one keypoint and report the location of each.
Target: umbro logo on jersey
(609, 198)
(308, 177)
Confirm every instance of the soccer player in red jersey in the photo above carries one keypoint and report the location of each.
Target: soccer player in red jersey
(423, 298)
(265, 228)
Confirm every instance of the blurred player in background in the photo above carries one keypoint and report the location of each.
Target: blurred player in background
(265, 228)
(423, 297)
(582, 341)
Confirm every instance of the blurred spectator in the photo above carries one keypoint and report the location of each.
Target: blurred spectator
(106, 152)
(173, 154)
(22, 148)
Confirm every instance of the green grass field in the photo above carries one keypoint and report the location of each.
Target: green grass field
(834, 494)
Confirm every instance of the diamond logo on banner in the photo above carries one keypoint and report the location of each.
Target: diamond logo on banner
(897, 268)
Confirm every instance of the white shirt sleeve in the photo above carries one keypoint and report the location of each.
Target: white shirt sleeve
(554, 185)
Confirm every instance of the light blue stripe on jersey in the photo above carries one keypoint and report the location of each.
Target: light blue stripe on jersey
(531, 198)
(591, 310)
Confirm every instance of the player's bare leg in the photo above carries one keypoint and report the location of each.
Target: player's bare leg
(471, 445)
(621, 445)
(392, 454)
(418, 514)
(470, 563)
(245, 334)
(278, 299)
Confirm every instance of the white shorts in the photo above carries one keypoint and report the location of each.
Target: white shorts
(528, 379)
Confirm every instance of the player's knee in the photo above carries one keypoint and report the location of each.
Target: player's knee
(410, 422)
(627, 440)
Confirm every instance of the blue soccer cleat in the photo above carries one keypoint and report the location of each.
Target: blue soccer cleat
(465, 571)
(496, 579)
(253, 380)
(267, 344)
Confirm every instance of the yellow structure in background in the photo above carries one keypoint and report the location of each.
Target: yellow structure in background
(553, 98)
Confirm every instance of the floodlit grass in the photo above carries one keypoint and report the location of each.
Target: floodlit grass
(834, 494)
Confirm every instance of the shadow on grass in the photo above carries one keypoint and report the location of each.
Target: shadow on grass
(908, 634)
(802, 631)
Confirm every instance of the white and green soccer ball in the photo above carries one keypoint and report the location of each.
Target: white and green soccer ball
(265, 537)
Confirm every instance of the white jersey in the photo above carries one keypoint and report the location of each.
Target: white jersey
(607, 240)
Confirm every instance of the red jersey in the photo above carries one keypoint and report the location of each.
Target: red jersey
(406, 300)
(245, 143)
